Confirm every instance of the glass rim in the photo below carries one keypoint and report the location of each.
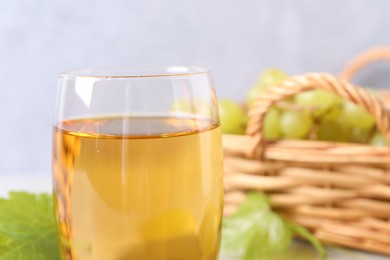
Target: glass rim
(135, 72)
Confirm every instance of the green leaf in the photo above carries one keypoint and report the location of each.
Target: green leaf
(303, 232)
(254, 231)
(27, 227)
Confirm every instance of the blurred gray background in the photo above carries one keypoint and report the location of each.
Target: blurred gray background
(236, 39)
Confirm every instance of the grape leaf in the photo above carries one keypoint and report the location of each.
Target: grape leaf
(254, 231)
(27, 227)
(303, 232)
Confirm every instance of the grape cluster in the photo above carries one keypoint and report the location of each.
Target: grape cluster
(315, 115)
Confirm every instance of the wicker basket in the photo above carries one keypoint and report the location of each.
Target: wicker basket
(365, 59)
(340, 191)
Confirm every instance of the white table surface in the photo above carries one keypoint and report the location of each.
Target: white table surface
(41, 182)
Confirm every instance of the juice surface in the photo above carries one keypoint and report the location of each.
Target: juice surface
(138, 188)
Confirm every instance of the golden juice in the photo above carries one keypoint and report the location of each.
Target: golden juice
(138, 188)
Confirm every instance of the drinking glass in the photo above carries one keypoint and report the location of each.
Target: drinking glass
(137, 164)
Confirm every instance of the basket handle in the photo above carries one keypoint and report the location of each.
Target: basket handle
(362, 60)
(298, 84)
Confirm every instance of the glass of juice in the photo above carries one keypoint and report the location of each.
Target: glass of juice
(137, 164)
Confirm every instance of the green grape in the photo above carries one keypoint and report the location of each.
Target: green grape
(232, 117)
(253, 93)
(358, 135)
(378, 139)
(357, 116)
(320, 100)
(267, 78)
(272, 129)
(197, 106)
(181, 105)
(271, 76)
(295, 124)
(333, 114)
(333, 130)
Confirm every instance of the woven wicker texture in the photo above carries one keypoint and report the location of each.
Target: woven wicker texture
(340, 191)
(363, 60)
